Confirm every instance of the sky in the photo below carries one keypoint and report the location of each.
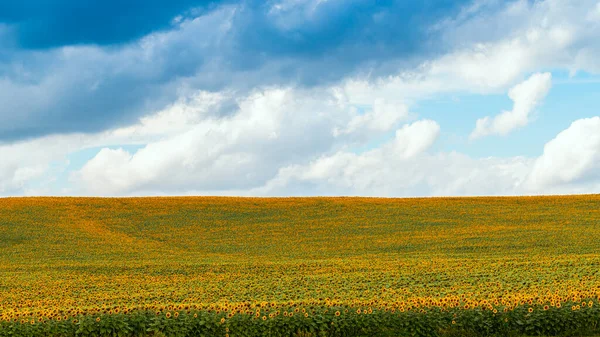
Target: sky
(387, 98)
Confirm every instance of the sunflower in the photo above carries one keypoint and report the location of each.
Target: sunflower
(97, 319)
(337, 313)
(223, 320)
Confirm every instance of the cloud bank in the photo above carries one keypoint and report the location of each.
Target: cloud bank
(291, 97)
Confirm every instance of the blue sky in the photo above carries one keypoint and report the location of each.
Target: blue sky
(299, 97)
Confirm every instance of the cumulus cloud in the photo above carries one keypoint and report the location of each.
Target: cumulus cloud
(271, 128)
(384, 116)
(246, 170)
(413, 139)
(29, 166)
(219, 140)
(359, 173)
(570, 164)
(571, 158)
(242, 151)
(371, 174)
(262, 149)
(526, 96)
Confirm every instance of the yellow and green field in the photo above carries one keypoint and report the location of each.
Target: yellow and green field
(230, 266)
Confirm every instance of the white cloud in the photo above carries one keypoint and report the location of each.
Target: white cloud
(374, 174)
(109, 168)
(490, 52)
(413, 139)
(280, 142)
(384, 116)
(214, 141)
(28, 165)
(263, 149)
(571, 158)
(228, 160)
(374, 171)
(272, 128)
(176, 118)
(570, 164)
(482, 68)
(526, 97)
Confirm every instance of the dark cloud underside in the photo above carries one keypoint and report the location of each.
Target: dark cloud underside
(231, 45)
(54, 23)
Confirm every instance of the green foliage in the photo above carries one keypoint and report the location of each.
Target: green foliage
(433, 323)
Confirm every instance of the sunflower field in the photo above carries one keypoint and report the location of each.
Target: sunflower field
(302, 267)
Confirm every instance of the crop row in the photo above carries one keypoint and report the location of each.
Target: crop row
(533, 320)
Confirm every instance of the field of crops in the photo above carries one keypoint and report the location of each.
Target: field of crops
(208, 266)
